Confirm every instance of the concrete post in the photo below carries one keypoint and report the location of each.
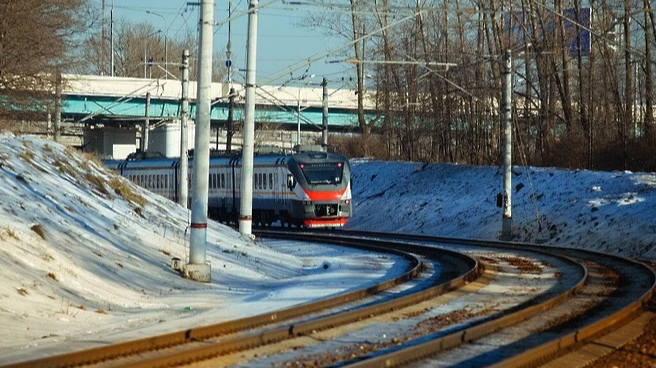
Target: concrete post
(506, 112)
(197, 269)
(183, 189)
(246, 202)
(146, 129)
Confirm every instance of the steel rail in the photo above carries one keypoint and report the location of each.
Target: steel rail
(119, 350)
(531, 356)
(553, 348)
(307, 327)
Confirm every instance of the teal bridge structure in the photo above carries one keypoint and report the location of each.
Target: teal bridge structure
(121, 102)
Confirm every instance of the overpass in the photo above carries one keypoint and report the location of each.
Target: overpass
(111, 112)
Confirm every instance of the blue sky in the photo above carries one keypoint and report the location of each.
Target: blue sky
(281, 43)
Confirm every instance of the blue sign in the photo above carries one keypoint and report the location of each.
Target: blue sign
(228, 63)
(577, 28)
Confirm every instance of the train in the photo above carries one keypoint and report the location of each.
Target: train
(303, 188)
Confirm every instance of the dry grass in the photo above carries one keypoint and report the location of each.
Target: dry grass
(88, 160)
(98, 182)
(27, 156)
(64, 168)
(39, 230)
(122, 188)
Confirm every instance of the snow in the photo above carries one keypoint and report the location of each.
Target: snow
(606, 211)
(101, 271)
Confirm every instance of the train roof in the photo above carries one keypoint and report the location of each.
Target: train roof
(262, 159)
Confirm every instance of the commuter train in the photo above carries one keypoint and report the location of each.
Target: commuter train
(306, 189)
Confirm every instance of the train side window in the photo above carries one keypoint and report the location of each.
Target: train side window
(264, 181)
(270, 181)
(291, 182)
(223, 181)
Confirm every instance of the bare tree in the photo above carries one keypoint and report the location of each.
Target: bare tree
(35, 39)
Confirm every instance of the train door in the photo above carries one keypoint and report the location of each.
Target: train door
(281, 183)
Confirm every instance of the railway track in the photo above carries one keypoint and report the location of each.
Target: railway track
(461, 303)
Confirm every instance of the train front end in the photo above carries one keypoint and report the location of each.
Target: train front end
(323, 190)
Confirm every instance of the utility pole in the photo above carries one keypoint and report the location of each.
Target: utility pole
(111, 38)
(246, 201)
(183, 189)
(506, 112)
(324, 115)
(58, 103)
(146, 130)
(102, 40)
(231, 111)
(298, 118)
(197, 269)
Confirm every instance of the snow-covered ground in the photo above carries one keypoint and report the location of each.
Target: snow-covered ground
(81, 263)
(613, 212)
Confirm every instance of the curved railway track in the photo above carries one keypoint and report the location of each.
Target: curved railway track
(462, 303)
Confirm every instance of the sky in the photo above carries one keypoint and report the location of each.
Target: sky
(282, 43)
(80, 265)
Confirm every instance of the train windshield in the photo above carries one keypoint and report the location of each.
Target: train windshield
(324, 173)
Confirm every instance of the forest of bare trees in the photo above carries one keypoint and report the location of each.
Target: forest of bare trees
(582, 81)
(140, 50)
(582, 73)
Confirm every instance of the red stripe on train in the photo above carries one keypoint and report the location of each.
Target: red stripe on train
(198, 226)
(326, 196)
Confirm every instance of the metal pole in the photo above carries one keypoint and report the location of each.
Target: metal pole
(111, 36)
(246, 201)
(324, 115)
(58, 87)
(146, 123)
(298, 118)
(229, 45)
(197, 269)
(166, 57)
(183, 189)
(231, 109)
(506, 112)
(166, 54)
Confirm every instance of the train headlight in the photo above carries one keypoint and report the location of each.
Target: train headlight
(307, 203)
